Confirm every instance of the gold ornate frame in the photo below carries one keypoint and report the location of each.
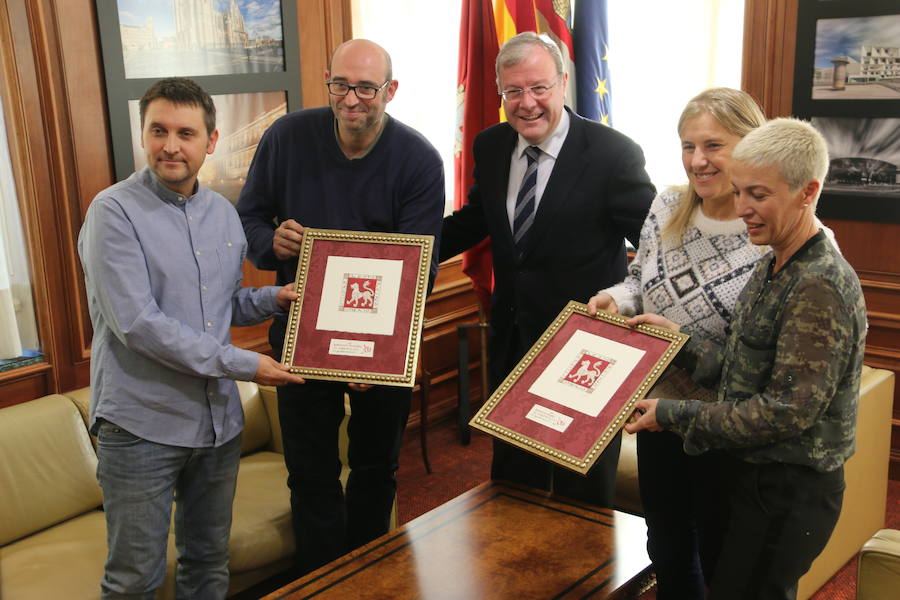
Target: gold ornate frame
(603, 427)
(405, 374)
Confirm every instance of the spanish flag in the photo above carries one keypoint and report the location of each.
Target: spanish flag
(477, 108)
(549, 17)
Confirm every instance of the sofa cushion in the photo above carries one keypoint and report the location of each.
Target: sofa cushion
(257, 432)
(47, 466)
(261, 530)
(879, 566)
(65, 561)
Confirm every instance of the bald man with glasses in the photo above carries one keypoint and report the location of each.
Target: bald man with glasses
(350, 166)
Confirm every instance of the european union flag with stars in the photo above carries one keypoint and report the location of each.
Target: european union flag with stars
(590, 36)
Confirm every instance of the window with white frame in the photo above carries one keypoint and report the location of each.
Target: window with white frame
(422, 37)
(18, 329)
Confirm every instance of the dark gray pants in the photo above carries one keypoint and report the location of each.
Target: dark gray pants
(781, 518)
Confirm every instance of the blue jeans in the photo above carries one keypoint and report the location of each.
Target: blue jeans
(140, 479)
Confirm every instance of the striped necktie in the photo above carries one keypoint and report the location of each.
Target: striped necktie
(524, 215)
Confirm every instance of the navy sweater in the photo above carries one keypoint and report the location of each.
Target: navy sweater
(300, 173)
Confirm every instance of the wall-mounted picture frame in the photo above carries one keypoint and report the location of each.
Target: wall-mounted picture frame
(847, 84)
(245, 53)
(188, 38)
(576, 387)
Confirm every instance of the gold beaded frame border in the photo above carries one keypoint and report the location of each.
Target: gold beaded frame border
(310, 237)
(580, 464)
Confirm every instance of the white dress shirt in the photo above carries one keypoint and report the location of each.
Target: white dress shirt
(518, 164)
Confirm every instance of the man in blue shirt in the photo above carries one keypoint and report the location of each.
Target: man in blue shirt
(350, 166)
(162, 261)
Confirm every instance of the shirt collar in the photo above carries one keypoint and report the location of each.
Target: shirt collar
(820, 235)
(149, 179)
(554, 142)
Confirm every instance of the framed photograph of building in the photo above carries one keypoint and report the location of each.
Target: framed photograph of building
(847, 83)
(192, 38)
(245, 53)
(361, 308)
(577, 386)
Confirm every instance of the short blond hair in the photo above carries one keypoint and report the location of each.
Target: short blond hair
(792, 146)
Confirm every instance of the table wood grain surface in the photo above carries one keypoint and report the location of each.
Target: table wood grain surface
(496, 541)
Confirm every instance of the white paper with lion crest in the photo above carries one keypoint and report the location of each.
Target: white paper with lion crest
(359, 295)
(586, 373)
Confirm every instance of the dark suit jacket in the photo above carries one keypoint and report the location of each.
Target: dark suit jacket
(597, 195)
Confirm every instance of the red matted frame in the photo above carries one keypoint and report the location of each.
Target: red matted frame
(541, 405)
(360, 308)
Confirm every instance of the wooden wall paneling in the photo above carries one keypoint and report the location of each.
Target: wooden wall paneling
(452, 302)
(29, 382)
(321, 26)
(26, 135)
(90, 157)
(770, 28)
(872, 249)
(54, 76)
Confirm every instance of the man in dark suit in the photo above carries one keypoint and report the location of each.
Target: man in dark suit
(558, 195)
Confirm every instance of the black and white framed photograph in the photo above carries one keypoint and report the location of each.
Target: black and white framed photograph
(847, 84)
(864, 167)
(245, 53)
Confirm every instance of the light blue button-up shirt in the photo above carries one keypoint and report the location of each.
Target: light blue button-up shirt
(163, 275)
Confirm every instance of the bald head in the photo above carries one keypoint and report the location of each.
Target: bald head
(363, 52)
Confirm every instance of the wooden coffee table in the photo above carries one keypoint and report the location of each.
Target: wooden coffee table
(495, 541)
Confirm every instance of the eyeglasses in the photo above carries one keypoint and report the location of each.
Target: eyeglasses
(363, 92)
(536, 91)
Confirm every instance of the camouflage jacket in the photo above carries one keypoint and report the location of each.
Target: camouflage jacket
(789, 370)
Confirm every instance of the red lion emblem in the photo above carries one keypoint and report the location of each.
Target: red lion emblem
(587, 371)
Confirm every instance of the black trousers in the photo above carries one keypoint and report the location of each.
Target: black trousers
(685, 510)
(781, 518)
(518, 466)
(328, 524)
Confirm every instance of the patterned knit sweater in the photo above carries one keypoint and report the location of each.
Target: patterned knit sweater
(694, 283)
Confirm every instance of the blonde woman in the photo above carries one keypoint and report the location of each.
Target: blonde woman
(693, 260)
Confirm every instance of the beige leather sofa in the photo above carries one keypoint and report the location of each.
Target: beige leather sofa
(52, 528)
(878, 575)
(866, 475)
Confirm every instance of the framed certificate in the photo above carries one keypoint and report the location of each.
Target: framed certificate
(360, 308)
(576, 387)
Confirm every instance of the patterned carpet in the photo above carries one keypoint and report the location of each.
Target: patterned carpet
(457, 468)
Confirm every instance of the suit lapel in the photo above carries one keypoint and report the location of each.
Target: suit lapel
(566, 171)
